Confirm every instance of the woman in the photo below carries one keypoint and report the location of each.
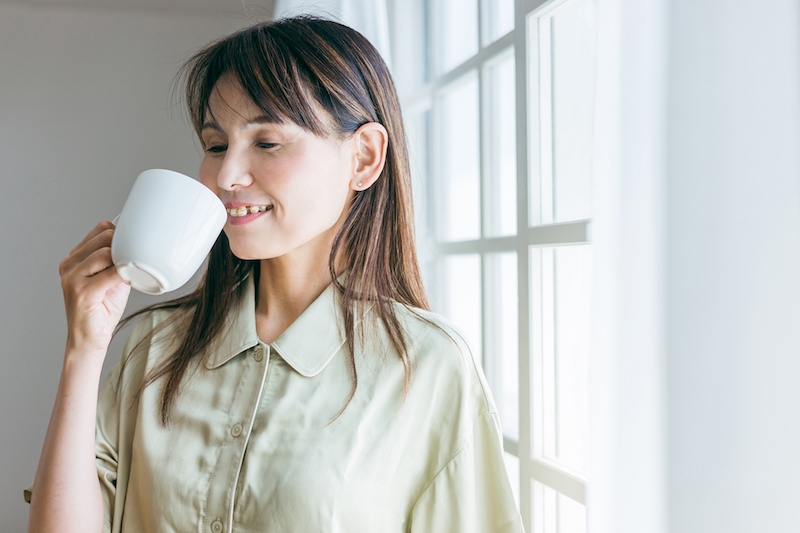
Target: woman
(303, 386)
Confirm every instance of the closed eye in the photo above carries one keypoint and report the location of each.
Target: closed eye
(266, 145)
(216, 149)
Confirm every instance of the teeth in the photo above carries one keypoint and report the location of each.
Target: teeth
(246, 210)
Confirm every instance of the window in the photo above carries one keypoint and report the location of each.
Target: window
(498, 99)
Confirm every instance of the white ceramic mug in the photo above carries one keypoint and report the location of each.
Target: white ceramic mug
(165, 230)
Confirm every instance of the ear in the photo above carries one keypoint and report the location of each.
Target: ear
(370, 142)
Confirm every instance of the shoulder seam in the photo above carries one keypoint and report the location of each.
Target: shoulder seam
(453, 457)
(442, 469)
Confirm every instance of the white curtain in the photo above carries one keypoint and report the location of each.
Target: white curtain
(628, 485)
(369, 17)
(696, 229)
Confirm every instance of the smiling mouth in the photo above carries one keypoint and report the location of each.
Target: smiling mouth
(247, 210)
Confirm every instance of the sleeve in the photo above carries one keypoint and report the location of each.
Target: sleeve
(107, 456)
(471, 494)
(117, 409)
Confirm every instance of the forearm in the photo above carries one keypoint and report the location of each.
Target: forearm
(66, 495)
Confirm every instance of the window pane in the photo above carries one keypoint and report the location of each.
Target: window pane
(512, 467)
(571, 516)
(501, 183)
(562, 46)
(573, 270)
(459, 139)
(555, 513)
(460, 276)
(500, 14)
(573, 46)
(458, 21)
(560, 305)
(501, 362)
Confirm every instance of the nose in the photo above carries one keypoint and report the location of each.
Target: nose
(235, 171)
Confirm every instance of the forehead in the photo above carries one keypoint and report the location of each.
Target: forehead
(228, 101)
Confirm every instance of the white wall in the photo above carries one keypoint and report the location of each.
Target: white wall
(84, 107)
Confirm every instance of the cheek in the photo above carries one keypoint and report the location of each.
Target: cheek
(208, 174)
(329, 191)
(319, 181)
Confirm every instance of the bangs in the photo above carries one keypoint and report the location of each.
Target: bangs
(263, 65)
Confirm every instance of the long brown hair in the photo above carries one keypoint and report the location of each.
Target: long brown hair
(290, 68)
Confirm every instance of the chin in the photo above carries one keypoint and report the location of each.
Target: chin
(250, 255)
(245, 250)
(254, 253)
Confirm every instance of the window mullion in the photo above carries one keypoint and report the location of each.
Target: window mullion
(569, 484)
(483, 18)
(523, 259)
(484, 160)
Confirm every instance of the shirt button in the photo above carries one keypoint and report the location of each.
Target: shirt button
(258, 355)
(236, 430)
(216, 526)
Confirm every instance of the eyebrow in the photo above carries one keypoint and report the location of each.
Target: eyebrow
(260, 119)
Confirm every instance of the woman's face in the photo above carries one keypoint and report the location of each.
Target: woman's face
(285, 188)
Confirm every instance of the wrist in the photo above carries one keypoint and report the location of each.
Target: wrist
(79, 342)
(81, 356)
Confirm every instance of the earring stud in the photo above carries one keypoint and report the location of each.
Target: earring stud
(358, 184)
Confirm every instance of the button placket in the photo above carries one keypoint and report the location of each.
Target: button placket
(242, 412)
(253, 408)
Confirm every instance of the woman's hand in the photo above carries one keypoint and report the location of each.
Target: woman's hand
(94, 294)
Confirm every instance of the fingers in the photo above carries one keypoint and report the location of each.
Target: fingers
(99, 228)
(97, 239)
(95, 278)
(81, 272)
(96, 262)
(90, 280)
(106, 279)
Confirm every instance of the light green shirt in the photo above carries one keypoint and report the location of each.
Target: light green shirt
(252, 445)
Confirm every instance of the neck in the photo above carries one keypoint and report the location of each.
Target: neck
(287, 285)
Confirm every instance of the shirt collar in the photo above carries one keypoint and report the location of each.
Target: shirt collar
(308, 345)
